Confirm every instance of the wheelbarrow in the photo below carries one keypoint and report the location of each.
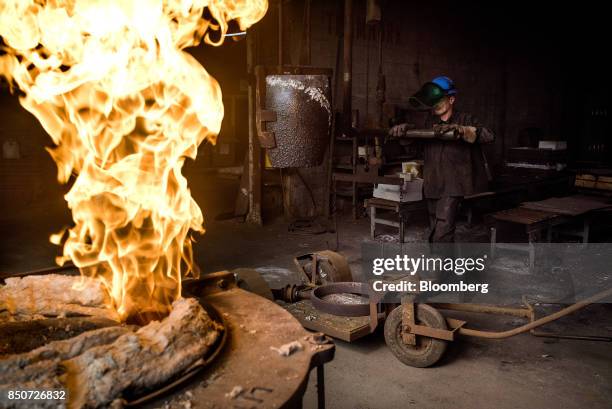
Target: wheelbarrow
(416, 333)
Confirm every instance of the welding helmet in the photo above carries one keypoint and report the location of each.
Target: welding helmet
(432, 92)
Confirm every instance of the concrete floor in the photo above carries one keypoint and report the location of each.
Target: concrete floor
(521, 372)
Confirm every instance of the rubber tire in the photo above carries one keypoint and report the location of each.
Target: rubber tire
(427, 351)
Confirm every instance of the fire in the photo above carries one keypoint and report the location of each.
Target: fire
(124, 105)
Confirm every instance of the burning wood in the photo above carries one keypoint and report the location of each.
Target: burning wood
(99, 366)
(37, 368)
(60, 350)
(53, 295)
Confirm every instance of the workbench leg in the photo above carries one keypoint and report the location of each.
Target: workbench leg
(335, 197)
(372, 222)
(401, 229)
(531, 252)
(354, 188)
(585, 232)
(549, 234)
(493, 241)
(320, 387)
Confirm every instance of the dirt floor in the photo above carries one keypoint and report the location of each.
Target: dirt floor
(521, 372)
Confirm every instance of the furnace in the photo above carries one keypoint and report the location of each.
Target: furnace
(207, 349)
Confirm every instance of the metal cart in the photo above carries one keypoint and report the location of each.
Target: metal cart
(416, 333)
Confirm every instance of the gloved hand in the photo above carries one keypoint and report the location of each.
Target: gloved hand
(399, 130)
(458, 132)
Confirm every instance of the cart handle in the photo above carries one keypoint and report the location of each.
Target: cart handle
(537, 323)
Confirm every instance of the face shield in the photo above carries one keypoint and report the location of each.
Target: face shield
(427, 97)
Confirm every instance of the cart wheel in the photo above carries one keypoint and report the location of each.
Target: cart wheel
(250, 280)
(427, 351)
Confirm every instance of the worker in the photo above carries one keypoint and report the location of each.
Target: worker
(453, 168)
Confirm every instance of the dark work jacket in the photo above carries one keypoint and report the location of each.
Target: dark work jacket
(455, 168)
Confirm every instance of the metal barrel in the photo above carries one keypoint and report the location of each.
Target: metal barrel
(303, 119)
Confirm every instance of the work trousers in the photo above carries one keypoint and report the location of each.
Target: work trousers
(442, 218)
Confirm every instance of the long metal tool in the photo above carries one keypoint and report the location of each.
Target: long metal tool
(428, 134)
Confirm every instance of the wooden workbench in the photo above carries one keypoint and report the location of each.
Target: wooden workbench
(544, 216)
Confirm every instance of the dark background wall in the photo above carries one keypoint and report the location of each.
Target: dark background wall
(517, 65)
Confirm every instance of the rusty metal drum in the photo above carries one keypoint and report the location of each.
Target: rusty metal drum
(303, 119)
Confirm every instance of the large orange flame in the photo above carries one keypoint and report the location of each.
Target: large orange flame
(125, 105)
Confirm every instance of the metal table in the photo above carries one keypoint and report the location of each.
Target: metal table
(402, 209)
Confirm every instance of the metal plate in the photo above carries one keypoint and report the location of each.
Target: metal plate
(265, 379)
(303, 119)
(347, 329)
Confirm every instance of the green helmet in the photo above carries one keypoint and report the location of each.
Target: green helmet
(428, 96)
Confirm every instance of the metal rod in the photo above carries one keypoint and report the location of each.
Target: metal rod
(367, 78)
(347, 80)
(330, 169)
(280, 33)
(238, 34)
(503, 117)
(484, 309)
(576, 337)
(307, 33)
(380, 84)
(537, 323)
(254, 152)
(427, 134)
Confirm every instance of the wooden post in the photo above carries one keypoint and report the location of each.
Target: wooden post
(254, 153)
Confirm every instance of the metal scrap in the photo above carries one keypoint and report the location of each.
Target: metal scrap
(235, 392)
(288, 349)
